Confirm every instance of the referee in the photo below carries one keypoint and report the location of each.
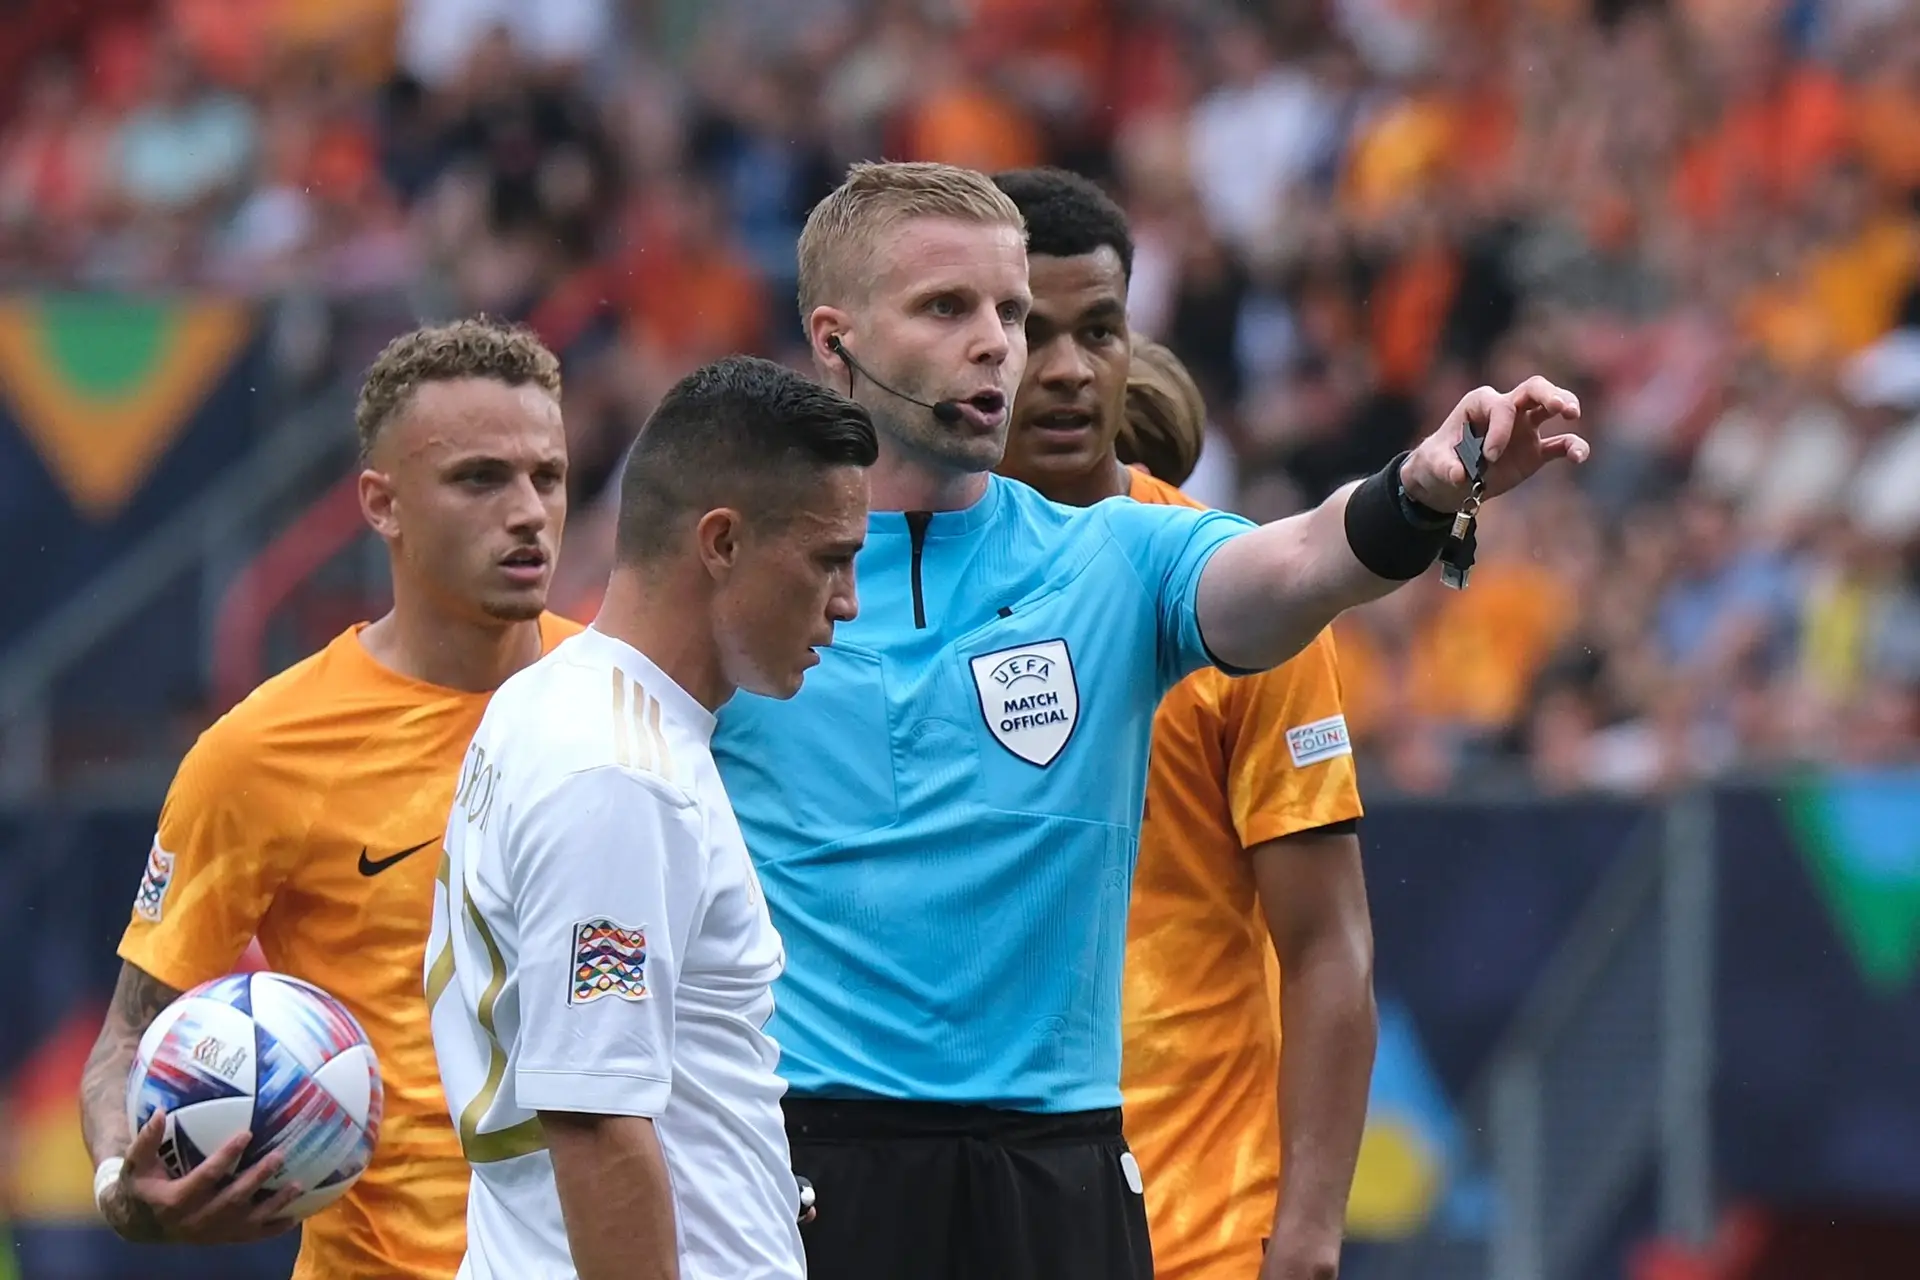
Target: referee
(945, 818)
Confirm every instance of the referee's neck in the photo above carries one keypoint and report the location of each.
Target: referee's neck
(902, 481)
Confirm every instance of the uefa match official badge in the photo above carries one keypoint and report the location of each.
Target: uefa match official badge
(609, 959)
(1029, 698)
(154, 883)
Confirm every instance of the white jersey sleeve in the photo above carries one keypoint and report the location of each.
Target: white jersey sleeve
(600, 945)
(607, 878)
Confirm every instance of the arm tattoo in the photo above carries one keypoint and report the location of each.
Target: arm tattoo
(138, 998)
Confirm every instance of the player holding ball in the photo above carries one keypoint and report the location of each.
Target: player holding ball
(310, 815)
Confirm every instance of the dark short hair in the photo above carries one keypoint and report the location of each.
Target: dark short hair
(741, 432)
(1067, 215)
(474, 348)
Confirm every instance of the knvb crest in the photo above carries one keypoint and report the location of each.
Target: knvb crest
(1029, 698)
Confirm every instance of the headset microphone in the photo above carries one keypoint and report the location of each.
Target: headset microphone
(947, 411)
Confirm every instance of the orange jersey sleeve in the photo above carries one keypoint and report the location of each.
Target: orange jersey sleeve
(1289, 762)
(230, 833)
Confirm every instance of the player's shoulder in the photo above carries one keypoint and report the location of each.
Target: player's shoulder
(1313, 673)
(537, 706)
(579, 710)
(1298, 704)
(1151, 490)
(1307, 684)
(310, 702)
(570, 788)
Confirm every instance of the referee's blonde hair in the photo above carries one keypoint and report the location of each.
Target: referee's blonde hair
(1166, 418)
(837, 244)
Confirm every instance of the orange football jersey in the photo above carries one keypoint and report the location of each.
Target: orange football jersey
(310, 817)
(1236, 763)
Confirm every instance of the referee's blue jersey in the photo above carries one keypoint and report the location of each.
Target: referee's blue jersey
(946, 818)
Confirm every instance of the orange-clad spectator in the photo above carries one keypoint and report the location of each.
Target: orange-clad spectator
(1474, 655)
(1373, 643)
(1782, 125)
(1857, 285)
(1885, 117)
(955, 118)
(1410, 304)
(1848, 291)
(119, 57)
(1397, 153)
(1485, 123)
(1776, 317)
(238, 41)
(227, 37)
(691, 295)
(360, 32)
(1454, 124)
(1474, 660)
(51, 159)
(343, 163)
(1149, 74)
(1074, 37)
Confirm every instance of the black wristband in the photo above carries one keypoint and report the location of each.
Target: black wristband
(1392, 536)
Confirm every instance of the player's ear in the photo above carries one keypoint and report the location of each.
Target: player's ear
(718, 539)
(378, 504)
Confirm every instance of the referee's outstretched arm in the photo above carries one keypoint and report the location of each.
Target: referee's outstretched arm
(1264, 595)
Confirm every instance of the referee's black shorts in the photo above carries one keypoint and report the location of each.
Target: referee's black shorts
(927, 1191)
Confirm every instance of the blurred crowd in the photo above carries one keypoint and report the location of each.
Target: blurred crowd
(1699, 214)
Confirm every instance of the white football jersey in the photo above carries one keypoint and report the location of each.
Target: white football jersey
(600, 944)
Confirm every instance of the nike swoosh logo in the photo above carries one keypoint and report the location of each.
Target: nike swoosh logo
(370, 867)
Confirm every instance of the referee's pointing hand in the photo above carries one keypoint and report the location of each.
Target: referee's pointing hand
(1516, 442)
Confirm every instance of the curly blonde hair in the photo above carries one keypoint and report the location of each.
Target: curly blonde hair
(473, 348)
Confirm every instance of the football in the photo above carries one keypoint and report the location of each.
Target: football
(269, 1055)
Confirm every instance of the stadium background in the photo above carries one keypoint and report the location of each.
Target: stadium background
(1645, 839)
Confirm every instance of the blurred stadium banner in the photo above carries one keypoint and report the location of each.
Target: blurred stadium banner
(51, 1178)
(1818, 1008)
(1861, 838)
(1817, 956)
(1415, 1169)
(101, 386)
(114, 411)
